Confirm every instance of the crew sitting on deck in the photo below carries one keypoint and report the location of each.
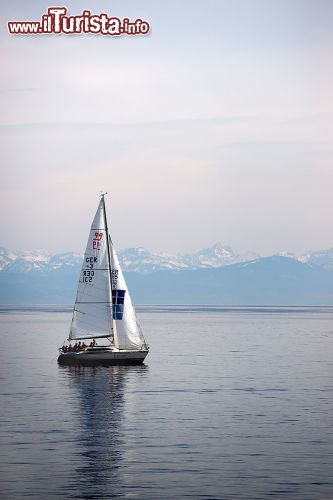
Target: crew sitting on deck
(92, 343)
(76, 347)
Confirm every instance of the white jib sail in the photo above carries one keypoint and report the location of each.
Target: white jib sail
(127, 332)
(92, 315)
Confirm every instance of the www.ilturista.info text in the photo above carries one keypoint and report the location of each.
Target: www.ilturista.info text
(56, 21)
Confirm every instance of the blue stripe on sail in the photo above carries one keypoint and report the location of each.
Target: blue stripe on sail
(118, 297)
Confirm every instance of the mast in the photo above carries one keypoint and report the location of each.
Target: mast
(107, 238)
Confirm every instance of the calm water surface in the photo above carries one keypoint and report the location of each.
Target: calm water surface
(231, 403)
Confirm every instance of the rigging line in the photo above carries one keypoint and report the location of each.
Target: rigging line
(94, 269)
(108, 249)
(90, 337)
(107, 238)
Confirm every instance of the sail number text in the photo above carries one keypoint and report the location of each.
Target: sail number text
(88, 276)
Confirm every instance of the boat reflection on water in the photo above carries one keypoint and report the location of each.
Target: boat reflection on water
(98, 427)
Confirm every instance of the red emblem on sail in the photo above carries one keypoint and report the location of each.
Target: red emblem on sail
(97, 241)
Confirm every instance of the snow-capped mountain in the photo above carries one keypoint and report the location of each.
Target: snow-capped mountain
(137, 260)
(227, 278)
(40, 261)
(6, 257)
(68, 259)
(321, 258)
(140, 260)
(215, 256)
(143, 261)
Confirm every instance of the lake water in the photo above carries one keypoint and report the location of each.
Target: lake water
(231, 403)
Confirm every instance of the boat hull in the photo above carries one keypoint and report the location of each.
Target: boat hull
(109, 357)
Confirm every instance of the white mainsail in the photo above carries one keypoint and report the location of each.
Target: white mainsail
(127, 332)
(92, 315)
(103, 306)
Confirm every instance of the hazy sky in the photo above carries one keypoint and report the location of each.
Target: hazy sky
(216, 126)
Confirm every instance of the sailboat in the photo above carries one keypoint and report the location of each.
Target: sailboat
(103, 316)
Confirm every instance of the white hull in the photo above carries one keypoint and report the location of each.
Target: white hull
(103, 356)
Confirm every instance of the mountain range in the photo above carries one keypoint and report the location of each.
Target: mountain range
(214, 275)
(140, 260)
(137, 260)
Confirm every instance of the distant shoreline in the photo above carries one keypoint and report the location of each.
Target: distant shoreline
(176, 308)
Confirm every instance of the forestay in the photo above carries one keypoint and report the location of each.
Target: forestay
(92, 311)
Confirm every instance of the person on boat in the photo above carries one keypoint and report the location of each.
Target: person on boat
(83, 345)
(92, 343)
